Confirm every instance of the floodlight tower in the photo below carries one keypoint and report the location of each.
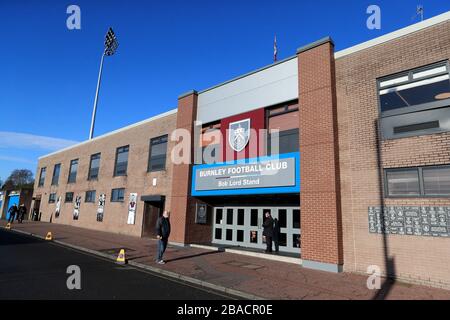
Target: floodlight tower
(111, 45)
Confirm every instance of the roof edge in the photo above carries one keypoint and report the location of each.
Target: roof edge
(315, 44)
(443, 17)
(161, 115)
(188, 93)
(248, 74)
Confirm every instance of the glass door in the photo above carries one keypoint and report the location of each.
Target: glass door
(242, 226)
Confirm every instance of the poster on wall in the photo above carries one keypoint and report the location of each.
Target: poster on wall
(58, 207)
(101, 207)
(410, 220)
(132, 208)
(76, 209)
(201, 213)
(1, 198)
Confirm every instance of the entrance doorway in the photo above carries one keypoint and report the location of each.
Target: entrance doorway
(242, 226)
(152, 211)
(35, 213)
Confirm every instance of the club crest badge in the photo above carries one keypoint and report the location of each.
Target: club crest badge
(239, 134)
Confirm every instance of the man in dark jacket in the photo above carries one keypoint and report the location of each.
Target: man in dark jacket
(21, 213)
(12, 213)
(268, 231)
(276, 234)
(163, 233)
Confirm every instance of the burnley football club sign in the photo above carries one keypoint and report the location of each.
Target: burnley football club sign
(239, 134)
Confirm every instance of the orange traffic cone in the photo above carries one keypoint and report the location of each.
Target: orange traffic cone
(49, 236)
(121, 259)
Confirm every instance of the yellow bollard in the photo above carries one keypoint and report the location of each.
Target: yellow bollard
(121, 257)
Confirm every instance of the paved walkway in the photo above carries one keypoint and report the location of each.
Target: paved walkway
(260, 277)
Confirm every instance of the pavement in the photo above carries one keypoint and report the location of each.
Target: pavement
(32, 268)
(234, 274)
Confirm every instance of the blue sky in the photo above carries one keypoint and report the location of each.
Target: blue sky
(48, 73)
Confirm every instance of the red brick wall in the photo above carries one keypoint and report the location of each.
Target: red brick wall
(319, 190)
(187, 111)
(137, 179)
(418, 259)
(184, 228)
(417, 151)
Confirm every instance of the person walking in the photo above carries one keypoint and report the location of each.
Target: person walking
(12, 213)
(21, 213)
(276, 234)
(163, 233)
(268, 231)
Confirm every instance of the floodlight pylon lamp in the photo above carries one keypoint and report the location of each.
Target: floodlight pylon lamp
(111, 43)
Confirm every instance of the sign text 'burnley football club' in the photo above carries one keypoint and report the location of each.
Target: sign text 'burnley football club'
(271, 174)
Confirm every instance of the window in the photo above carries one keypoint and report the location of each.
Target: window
(52, 198)
(288, 107)
(219, 213)
(240, 236)
(288, 141)
(296, 219)
(229, 235)
(73, 171)
(94, 166)
(415, 102)
(432, 181)
(117, 195)
(157, 156)
(120, 168)
(436, 181)
(229, 216)
(55, 178)
(403, 182)
(282, 218)
(90, 196)
(282, 240)
(69, 197)
(240, 217)
(427, 86)
(210, 154)
(218, 234)
(254, 217)
(210, 143)
(42, 177)
(253, 236)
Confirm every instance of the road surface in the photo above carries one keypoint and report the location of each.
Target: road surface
(31, 268)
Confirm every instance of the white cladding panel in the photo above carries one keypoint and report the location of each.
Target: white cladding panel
(275, 84)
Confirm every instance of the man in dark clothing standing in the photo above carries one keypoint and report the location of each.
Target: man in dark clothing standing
(12, 213)
(268, 231)
(163, 233)
(276, 234)
(21, 213)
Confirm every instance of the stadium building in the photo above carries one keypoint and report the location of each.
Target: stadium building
(360, 174)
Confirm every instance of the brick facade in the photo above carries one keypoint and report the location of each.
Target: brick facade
(341, 163)
(319, 196)
(412, 258)
(183, 208)
(137, 179)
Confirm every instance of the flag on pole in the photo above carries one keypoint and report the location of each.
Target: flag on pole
(275, 50)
